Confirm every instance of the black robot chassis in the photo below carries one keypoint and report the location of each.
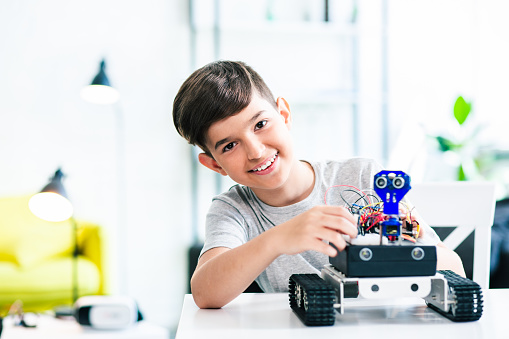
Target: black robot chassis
(315, 300)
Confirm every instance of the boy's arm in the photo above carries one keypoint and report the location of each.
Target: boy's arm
(222, 273)
(447, 259)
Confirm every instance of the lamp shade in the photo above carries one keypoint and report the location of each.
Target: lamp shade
(100, 90)
(51, 204)
(101, 78)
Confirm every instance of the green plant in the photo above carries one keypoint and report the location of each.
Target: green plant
(464, 143)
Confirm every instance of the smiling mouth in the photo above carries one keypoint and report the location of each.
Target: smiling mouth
(266, 165)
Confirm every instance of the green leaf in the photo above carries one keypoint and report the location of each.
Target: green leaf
(461, 174)
(445, 144)
(461, 110)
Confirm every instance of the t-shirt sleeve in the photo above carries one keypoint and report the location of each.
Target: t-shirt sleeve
(429, 236)
(224, 227)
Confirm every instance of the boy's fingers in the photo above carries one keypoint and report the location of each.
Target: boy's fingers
(341, 211)
(340, 224)
(333, 237)
(339, 242)
(350, 229)
(325, 248)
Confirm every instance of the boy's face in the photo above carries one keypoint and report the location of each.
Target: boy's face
(254, 147)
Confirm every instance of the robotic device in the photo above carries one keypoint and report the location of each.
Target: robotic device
(392, 267)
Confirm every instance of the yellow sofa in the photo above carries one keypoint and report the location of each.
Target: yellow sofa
(36, 258)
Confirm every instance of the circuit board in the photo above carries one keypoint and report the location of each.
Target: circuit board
(386, 245)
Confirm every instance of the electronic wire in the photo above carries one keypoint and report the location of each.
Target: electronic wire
(371, 214)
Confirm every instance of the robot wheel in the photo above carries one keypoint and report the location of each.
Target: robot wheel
(312, 299)
(466, 296)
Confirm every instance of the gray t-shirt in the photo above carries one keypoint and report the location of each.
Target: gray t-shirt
(237, 216)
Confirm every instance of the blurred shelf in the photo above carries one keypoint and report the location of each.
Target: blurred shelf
(324, 97)
(297, 28)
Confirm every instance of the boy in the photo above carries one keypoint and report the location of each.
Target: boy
(274, 223)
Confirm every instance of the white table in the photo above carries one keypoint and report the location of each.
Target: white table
(264, 316)
(53, 328)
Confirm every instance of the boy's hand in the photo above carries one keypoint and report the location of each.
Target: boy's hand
(309, 230)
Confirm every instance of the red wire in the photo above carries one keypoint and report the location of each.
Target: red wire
(377, 218)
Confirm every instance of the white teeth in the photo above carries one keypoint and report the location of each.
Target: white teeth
(267, 164)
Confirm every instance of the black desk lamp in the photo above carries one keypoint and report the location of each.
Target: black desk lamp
(52, 204)
(100, 90)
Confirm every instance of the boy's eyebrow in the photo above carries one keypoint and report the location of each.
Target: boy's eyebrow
(220, 142)
(225, 140)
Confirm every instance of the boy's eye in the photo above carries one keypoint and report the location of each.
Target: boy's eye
(261, 124)
(228, 147)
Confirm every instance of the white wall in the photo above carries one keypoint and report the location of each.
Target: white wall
(49, 51)
(439, 50)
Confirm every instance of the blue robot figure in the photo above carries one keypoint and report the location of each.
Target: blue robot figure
(391, 187)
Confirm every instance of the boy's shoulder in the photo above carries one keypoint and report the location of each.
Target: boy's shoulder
(237, 194)
(356, 171)
(349, 164)
(241, 197)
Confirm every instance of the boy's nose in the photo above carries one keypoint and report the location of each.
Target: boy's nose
(254, 149)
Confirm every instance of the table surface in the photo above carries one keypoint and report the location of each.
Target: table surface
(268, 315)
(52, 328)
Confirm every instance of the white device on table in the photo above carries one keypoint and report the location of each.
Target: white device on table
(107, 312)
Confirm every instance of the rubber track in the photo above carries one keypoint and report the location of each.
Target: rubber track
(320, 296)
(469, 301)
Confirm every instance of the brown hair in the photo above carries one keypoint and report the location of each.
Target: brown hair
(214, 92)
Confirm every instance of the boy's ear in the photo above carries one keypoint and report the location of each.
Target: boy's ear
(209, 162)
(284, 109)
